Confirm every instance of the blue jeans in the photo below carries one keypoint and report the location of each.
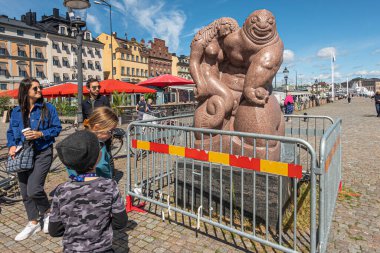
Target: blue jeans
(377, 109)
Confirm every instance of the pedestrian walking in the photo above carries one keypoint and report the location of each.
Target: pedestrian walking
(87, 208)
(36, 123)
(102, 123)
(289, 105)
(141, 107)
(349, 98)
(377, 103)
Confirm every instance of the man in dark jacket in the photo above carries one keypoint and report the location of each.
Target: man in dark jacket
(94, 100)
(377, 103)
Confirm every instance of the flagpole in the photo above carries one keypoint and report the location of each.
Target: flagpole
(332, 77)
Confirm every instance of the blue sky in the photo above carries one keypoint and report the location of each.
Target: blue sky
(310, 29)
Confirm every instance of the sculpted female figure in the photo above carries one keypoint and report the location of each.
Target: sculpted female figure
(233, 68)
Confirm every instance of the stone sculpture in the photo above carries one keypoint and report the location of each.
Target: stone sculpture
(233, 69)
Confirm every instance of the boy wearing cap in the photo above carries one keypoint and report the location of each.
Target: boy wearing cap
(85, 207)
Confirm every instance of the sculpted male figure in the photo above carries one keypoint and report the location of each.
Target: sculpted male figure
(233, 68)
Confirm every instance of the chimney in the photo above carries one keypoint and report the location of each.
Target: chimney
(56, 12)
(23, 18)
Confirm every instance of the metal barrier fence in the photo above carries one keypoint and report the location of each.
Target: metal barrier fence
(212, 176)
(330, 179)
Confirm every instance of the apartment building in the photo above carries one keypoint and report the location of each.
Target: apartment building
(174, 64)
(22, 51)
(130, 58)
(62, 50)
(183, 67)
(160, 60)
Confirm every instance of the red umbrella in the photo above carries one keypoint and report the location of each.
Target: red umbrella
(9, 93)
(109, 86)
(165, 80)
(62, 90)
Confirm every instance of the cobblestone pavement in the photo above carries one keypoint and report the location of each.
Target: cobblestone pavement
(356, 225)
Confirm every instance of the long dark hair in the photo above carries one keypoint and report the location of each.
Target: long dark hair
(23, 100)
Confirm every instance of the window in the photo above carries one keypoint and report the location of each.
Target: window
(128, 57)
(2, 51)
(62, 30)
(3, 72)
(134, 48)
(37, 35)
(65, 47)
(123, 71)
(21, 52)
(97, 66)
(3, 86)
(84, 65)
(113, 56)
(40, 74)
(146, 73)
(57, 78)
(73, 48)
(2, 29)
(22, 72)
(65, 77)
(90, 65)
(88, 36)
(128, 71)
(122, 55)
(133, 71)
(133, 58)
(89, 51)
(20, 32)
(65, 63)
(137, 58)
(114, 71)
(39, 54)
(55, 46)
(55, 62)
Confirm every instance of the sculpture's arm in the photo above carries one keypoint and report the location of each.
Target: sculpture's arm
(264, 65)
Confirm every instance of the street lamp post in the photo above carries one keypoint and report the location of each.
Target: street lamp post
(77, 10)
(286, 74)
(105, 3)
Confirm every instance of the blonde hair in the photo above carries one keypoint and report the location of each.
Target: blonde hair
(103, 117)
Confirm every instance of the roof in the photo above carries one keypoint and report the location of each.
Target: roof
(16, 23)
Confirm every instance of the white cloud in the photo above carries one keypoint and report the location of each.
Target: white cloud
(366, 73)
(377, 51)
(156, 17)
(288, 56)
(193, 32)
(326, 52)
(95, 23)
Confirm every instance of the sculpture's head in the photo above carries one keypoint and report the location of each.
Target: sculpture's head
(260, 27)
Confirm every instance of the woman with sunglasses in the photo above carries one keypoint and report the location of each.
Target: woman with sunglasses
(102, 122)
(33, 122)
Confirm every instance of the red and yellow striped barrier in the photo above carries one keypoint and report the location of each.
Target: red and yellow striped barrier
(260, 165)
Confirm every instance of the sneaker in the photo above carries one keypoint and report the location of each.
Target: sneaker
(46, 224)
(28, 231)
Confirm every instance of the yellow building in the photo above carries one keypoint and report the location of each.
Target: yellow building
(130, 59)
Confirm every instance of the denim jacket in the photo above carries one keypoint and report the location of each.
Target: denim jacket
(50, 128)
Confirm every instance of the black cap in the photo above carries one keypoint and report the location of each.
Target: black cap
(79, 151)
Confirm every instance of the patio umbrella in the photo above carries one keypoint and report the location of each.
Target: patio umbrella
(109, 86)
(165, 80)
(62, 90)
(9, 93)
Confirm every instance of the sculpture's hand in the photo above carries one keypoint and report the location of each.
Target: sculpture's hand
(258, 96)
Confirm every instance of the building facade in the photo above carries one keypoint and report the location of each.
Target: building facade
(62, 50)
(22, 51)
(160, 60)
(130, 58)
(174, 64)
(183, 67)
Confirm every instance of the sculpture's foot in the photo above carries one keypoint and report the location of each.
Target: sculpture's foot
(258, 96)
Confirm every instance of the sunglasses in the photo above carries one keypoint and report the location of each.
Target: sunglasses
(96, 87)
(37, 88)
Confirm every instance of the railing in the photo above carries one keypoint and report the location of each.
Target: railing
(227, 179)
